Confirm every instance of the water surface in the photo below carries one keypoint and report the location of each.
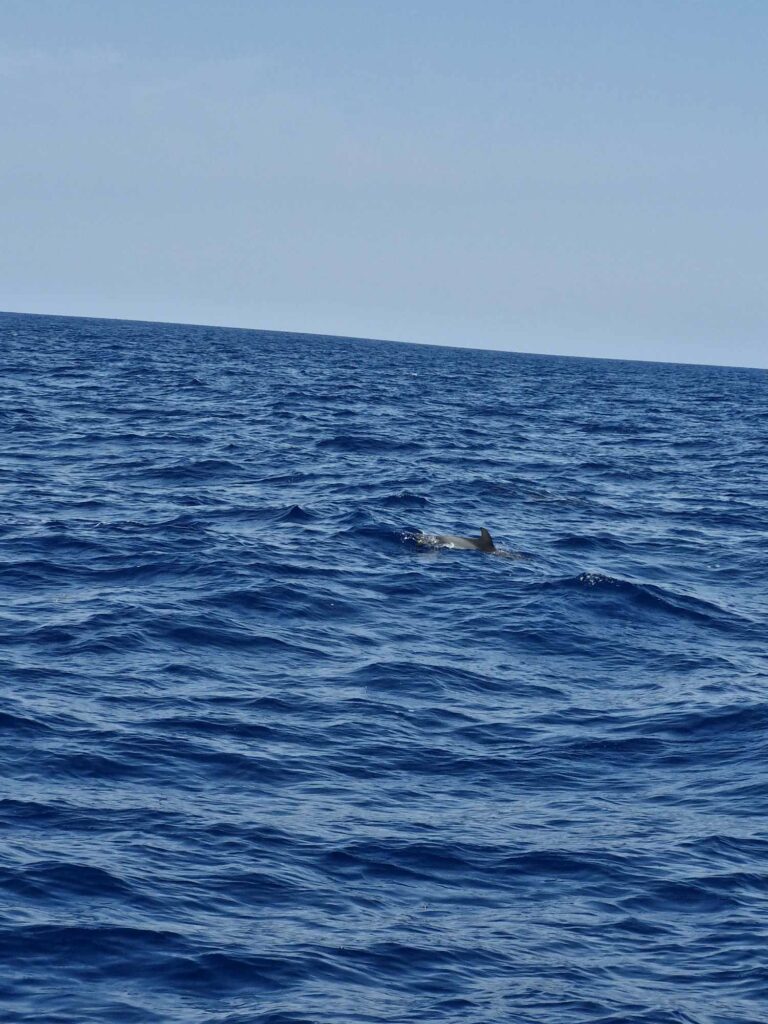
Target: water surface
(266, 760)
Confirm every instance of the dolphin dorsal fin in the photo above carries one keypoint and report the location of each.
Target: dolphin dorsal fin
(486, 540)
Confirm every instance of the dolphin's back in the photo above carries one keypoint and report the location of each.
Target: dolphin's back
(482, 543)
(451, 540)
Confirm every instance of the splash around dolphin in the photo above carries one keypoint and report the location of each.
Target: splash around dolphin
(482, 543)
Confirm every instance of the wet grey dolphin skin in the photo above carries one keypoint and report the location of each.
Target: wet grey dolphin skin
(482, 543)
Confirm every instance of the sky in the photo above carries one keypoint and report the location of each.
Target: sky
(579, 177)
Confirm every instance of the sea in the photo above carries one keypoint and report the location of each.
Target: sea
(273, 754)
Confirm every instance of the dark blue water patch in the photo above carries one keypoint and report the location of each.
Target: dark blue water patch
(363, 444)
(267, 760)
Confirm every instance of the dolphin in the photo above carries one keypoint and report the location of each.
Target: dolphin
(482, 543)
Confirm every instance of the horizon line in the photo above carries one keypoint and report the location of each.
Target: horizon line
(389, 341)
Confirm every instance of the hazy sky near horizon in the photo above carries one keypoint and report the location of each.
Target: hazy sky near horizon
(583, 177)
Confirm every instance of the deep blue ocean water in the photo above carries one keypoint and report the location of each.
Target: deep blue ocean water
(267, 760)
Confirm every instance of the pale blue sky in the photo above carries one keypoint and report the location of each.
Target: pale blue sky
(583, 177)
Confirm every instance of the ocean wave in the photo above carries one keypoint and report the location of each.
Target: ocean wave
(653, 598)
(364, 444)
